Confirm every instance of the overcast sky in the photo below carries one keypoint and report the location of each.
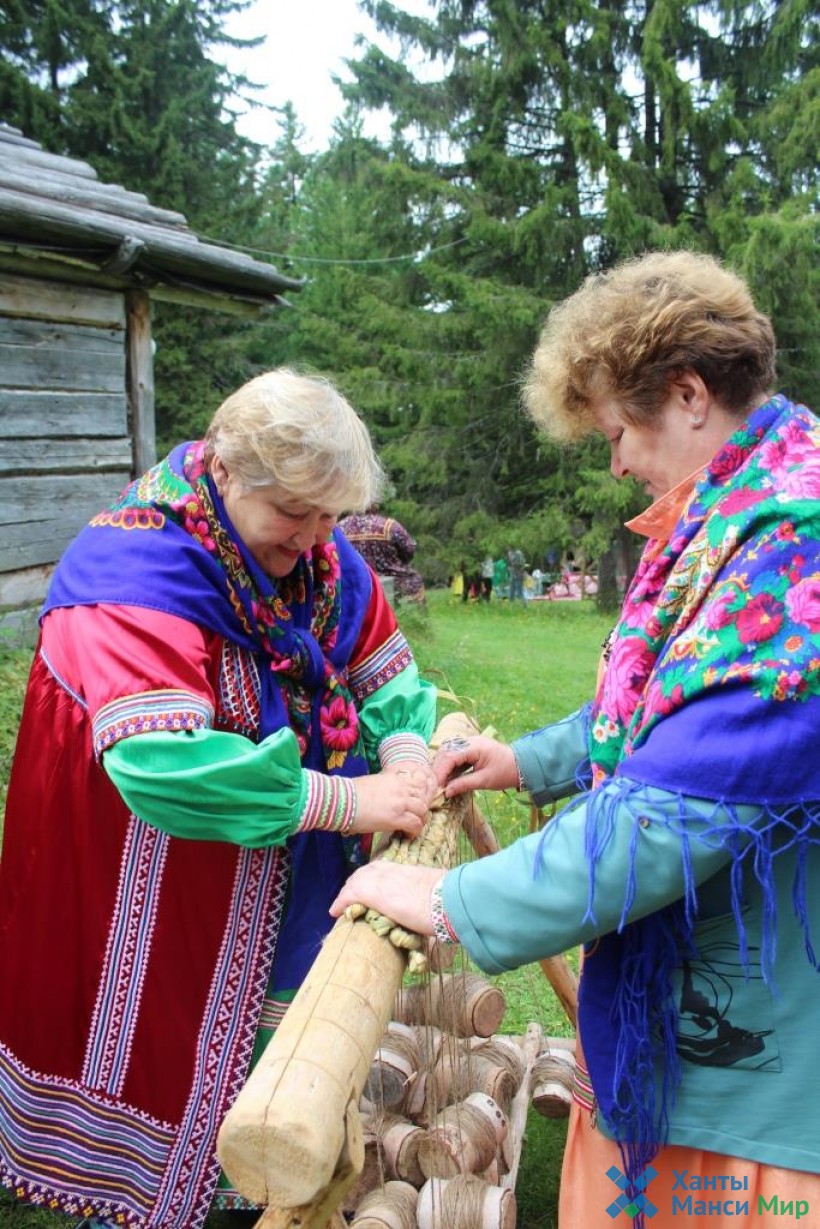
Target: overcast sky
(306, 44)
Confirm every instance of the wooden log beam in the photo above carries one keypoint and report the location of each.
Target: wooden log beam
(281, 1142)
(324, 1211)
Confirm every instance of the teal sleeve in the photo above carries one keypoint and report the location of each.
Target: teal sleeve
(506, 913)
(209, 785)
(404, 705)
(549, 759)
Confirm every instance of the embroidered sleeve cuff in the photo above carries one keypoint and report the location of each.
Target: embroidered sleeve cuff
(521, 785)
(403, 747)
(330, 804)
(442, 927)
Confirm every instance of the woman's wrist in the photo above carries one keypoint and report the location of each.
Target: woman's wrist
(442, 926)
(521, 784)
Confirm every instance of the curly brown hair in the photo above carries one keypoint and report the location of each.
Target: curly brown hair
(628, 332)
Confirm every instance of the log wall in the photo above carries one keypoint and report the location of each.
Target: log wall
(66, 439)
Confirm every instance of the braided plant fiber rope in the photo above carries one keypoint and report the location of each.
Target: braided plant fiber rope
(438, 845)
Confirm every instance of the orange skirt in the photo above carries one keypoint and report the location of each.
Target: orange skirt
(586, 1191)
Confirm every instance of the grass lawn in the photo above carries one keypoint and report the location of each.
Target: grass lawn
(512, 667)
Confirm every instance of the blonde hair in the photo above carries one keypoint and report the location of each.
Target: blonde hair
(629, 331)
(299, 433)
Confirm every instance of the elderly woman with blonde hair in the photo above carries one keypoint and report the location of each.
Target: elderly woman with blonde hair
(688, 860)
(220, 707)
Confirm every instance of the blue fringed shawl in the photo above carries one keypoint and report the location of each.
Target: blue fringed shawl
(711, 692)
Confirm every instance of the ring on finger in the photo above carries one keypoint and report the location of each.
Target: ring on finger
(455, 744)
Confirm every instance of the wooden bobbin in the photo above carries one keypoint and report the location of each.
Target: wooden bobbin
(392, 1206)
(553, 1080)
(492, 1111)
(460, 1003)
(506, 1145)
(429, 1088)
(442, 956)
(400, 1144)
(426, 1095)
(465, 1202)
(394, 1064)
(501, 1050)
(463, 1138)
(478, 1075)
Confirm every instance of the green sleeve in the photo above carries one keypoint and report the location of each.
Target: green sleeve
(404, 705)
(549, 759)
(209, 785)
(506, 913)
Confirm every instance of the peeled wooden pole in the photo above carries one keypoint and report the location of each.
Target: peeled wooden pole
(565, 984)
(281, 1142)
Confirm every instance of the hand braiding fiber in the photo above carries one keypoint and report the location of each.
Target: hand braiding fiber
(436, 846)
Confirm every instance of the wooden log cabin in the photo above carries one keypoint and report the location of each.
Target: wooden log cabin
(80, 263)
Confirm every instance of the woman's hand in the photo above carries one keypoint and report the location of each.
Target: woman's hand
(399, 892)
(464, 764)
(396, 801)
(421, 773)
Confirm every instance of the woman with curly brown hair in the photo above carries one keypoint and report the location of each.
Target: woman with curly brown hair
(688, 861)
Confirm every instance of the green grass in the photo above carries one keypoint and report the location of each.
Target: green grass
(14, 668)
(513, 667)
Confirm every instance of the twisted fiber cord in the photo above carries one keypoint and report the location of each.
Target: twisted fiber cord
(458, 1202)
(399, 1197)
(447, 1003)
(549, 1068)
(436, 846)
(499, 1052)
(467, 1122)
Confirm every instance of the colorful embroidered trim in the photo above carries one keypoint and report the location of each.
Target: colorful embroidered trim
(148, 711)
(380, 667)
(240, 688)
(130, 936)
(398, 747)
(521, 786)
(330, 805)
(273, 1012)
(442, 926)
(75, 1126)
(582, 1088)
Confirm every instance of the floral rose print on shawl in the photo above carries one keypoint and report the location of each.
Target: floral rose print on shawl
(803, 604)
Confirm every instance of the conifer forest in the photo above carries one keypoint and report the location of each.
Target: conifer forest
(544, 140)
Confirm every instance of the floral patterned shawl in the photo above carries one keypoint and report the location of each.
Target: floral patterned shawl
(712, 690)
(168, 543)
